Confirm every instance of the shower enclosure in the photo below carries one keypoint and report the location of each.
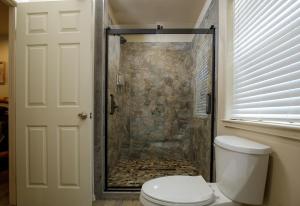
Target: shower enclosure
(159, 107)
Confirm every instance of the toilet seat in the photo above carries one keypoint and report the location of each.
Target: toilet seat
(193, 190)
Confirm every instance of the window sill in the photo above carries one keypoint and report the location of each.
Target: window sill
(281, 130)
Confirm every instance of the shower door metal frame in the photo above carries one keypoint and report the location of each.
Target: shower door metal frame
(159, 30)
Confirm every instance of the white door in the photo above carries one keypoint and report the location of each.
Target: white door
(54, 86)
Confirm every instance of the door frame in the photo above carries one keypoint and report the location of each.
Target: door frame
(12, 4)
(158, 30)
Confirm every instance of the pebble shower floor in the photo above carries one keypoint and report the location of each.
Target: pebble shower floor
(133, 173)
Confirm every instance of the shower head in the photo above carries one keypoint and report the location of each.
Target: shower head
(122, 40)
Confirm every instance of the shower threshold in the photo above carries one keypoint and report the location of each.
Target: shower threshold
(133, 173)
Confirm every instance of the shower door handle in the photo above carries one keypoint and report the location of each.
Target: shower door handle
(208, 103)
(113, 105)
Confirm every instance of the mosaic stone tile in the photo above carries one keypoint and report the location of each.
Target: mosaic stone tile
(133, 173)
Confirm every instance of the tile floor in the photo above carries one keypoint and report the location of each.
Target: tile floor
(117, 203)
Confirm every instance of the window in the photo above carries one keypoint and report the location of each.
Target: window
(266, 58)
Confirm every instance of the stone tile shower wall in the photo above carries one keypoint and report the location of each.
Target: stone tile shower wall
(159, 100)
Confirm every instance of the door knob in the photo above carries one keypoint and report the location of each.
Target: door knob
(82, 115)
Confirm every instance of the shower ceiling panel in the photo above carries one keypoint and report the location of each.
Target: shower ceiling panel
(170, 13)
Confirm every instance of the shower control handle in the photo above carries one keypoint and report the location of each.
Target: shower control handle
(113, 105)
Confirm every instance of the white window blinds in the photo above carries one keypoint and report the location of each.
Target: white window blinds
(266, 60)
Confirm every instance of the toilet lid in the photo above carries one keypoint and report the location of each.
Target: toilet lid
(179, 190)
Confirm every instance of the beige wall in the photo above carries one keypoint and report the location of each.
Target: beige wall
(283, 184)
(4, 57)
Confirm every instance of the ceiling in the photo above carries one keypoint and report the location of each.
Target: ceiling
(3, 19)
(169, 13)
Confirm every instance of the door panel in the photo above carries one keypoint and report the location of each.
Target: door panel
(68, 156)
(36, 156)
(69, 74)
(36, 75)
(53, 86)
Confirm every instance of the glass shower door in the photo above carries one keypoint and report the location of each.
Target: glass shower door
(158, 108)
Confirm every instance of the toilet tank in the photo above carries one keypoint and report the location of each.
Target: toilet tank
(241, 168)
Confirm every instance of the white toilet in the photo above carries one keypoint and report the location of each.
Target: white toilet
(241, 169)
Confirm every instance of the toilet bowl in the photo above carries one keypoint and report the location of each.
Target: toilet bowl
(182, 191)
(241, 170)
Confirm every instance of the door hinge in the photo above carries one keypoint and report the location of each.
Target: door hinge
(91, 115)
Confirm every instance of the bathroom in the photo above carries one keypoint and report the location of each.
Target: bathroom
(161, 87)
(150, 103)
